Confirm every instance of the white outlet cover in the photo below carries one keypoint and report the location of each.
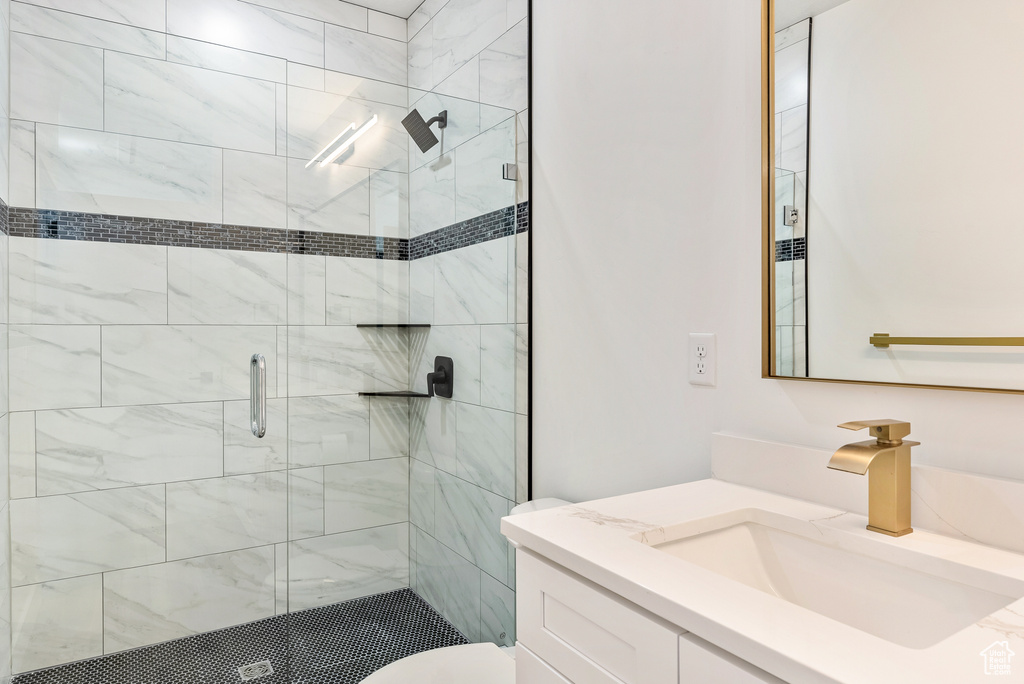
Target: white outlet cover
(702, 367)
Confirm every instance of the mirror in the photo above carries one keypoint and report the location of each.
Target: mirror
(894, 177)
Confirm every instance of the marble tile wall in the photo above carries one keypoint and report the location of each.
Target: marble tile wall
(469, 453)
(5, 200)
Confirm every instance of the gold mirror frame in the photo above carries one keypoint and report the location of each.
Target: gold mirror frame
(768, 229)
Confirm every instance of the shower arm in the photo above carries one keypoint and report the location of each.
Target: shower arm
(441, 120)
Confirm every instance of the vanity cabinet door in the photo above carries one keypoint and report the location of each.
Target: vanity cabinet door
(588, 634)
(532, 670)
(701, 662)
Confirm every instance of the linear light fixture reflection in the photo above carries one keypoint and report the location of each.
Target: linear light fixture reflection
(346, 144)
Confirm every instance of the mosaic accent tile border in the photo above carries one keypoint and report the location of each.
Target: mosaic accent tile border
(339, 644)
(793, 249)
(53, 224)
(4, 218)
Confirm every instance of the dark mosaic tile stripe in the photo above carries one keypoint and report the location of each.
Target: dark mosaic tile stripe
(793, 249)
(339, 644)
(70, 225)
(4, 218)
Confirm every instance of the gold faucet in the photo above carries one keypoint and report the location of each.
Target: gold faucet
(887, 460)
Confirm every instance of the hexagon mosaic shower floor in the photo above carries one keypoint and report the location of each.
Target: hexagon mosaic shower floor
(339, 644)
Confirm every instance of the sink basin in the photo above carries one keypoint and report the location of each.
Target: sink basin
(905, 597)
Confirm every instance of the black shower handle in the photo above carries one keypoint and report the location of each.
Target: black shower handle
(441, 382)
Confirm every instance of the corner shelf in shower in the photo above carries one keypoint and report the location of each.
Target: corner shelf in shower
(393, 325)
(410, 395)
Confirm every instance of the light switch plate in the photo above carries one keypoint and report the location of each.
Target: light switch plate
(702, 359)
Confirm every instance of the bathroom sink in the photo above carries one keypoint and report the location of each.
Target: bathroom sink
(878, 586)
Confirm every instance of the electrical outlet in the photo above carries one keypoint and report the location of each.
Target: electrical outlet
(702, 359)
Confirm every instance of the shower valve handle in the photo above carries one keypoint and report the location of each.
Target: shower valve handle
(441, 382)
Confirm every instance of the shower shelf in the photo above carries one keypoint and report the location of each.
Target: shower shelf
(412, 395)
(393, 325)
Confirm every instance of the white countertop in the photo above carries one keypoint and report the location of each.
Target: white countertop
(595, 541)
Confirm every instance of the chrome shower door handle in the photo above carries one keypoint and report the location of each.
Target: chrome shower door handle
(258, 395)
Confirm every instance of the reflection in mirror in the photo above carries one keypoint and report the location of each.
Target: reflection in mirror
(898, 167)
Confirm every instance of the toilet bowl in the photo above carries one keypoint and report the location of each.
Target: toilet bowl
(466, 664)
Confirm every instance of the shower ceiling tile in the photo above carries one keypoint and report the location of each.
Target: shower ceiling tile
(255, 190)
(143, 13)
(235, 512)
(57, 622)
(105, 448)
(246, 453)
(75, 28)
(346, 359)
(328, 430)
(176, 102)
(248, 27)
(56, 82)
(466, 518)
(389, 26)
(226, 286)
(364, 495)
(471, 284)
(164, 364)
(54, 366)
(157, 603)
(486, 449)
(367, 291)
(339, 567)
(364, 54)
(55, 537)
(504, 70)
(71, 281)
(89, 171)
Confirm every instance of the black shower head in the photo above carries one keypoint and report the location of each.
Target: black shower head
(420, 129)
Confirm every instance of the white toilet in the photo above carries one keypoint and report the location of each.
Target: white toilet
(467, 664)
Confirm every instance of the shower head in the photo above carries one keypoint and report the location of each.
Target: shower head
(420, 129)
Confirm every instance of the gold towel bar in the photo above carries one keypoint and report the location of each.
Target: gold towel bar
(883, 340)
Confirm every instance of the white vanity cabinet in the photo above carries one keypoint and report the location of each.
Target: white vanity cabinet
(572, 631)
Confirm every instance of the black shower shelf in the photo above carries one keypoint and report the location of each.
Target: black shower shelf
(412, 395)
(393, 325)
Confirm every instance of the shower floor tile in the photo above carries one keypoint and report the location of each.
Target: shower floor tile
(338, 644)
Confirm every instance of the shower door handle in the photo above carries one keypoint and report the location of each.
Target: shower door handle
(258, 395)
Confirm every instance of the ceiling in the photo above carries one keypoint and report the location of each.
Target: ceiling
(399, 8)
(789, 12)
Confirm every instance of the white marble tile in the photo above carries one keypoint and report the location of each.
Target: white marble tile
(523, 157)
(237, 512)
(214, 286)
(83, 30)
(421, 495)
(516, 11)
(792, 34)
(104, 448)
(389, 204)
(784, 293)
(364, 54)
(498, 360)
(331, 11)
(255, 190)
(307, 289)
(478, 168)
(147, 14)
(462, 30)
(366, 89)
(389, 428)
(464, 83)
(461, 343)
(327, 430)
(56, 622)
(23, 164)
(166, 364)
(332, 199)
(339, 567)
(89, 171)
(282, 119)
(794, 139)
(248, 27)
(54, 366)
(305, 76)
(305, 503)
(463, 125)
(282, 361)
(522, 288)
(244, 452)
(432, 196)
(800, 292)
(467, 520)
(182, 103)
(522, 369)
(168, 601)
(471, 284)
(423, 14)
(421, 60)
(522, 462)
(219, 58)
(75, 282)
(389, 26)
(368, 494)
(784, 195)
(800, 199)
(56, 82)
(421, 290)
(504, 70)
(315, 119)
(497, 612)
(449, 583)
(799, 351)
(791, 77)
(486, 449)
(281, 578)
(56, 537)
(5, 498)
(23, 455)
(346, 359)
(432, 433)
(367, 291)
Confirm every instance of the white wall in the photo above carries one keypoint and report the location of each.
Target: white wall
(646, 205)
